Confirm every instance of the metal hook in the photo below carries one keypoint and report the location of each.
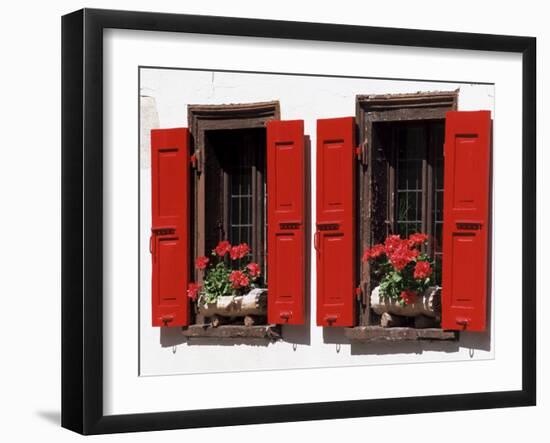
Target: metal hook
(294, 346)
(338, 347)
(471, 352)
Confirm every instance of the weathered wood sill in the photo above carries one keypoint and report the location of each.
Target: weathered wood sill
(268, 332)
(378, 333)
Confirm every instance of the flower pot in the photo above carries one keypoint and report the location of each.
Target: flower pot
(428, 304)
(252, 304)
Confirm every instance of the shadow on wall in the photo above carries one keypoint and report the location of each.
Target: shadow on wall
(171, 337)
(469, 340)
(335, 336)
(53, 417)
(406, 347)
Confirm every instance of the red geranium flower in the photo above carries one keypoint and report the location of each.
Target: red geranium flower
(408, 296)
(193, 290)
(253, 269)
(422, 270)
(201, 262)
(391, 243)
(417, 239)
(239, 251)
(377, 251)
(374, 252)
(402, 255)
(223, 248)
(238, 279)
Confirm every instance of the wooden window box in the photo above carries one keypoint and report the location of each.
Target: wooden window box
(378, 333)
(266, 332)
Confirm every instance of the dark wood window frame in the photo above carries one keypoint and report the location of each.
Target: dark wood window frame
(371, 109)
(202, 118)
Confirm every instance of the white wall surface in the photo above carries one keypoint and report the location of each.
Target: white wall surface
(165, 94)
(30, 190)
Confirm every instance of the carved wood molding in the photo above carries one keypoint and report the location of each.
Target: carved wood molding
(446, 100)
(232, 111)
(227, 116)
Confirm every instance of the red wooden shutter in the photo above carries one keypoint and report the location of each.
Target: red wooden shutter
(465, 277)
(285, 226)
(169, 242)
(335, 235)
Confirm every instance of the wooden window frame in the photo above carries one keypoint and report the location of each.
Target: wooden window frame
(377, 108)
(202, 118)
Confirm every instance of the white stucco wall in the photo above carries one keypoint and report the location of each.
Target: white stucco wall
(164, 96)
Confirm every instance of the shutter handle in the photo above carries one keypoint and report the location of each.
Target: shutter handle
(166, 319)
(285, 315)
(152, 248)
(330, 319)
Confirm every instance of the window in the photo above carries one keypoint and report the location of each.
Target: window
(235, 193)
(230, 180)
(242, 153)
(413, 154)
(400, 177)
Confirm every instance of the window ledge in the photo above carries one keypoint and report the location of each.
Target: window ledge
(378, 333)
(269, 332)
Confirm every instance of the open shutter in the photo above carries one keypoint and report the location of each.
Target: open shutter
(335, 228)
(465, 277)
(169, 243)
(286, 223)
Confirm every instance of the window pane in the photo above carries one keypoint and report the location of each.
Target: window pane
(410, 154)
(240, 208)
(437, 132)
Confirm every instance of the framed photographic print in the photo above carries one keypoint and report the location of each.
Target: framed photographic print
(270, 221)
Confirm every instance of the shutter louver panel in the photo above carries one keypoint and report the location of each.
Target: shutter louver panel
(286, 223)
(169, 243)
(335, 225)
(465, 278)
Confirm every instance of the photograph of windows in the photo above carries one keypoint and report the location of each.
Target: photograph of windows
(303, 221)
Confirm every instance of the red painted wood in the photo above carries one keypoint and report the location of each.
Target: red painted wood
(465, 278)
(170, 226)
(335, 226)
(286, 221)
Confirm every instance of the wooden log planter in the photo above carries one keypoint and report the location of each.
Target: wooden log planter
(251, 307)
(427, 304)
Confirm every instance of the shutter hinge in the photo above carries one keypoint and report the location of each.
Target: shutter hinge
(193, 160)
(361, 153)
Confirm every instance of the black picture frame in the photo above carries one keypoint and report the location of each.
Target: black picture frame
(82, 215)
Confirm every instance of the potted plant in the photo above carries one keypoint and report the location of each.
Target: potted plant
(405, 274)
(228, 292)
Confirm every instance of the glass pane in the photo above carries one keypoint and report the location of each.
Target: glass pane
(410, 153)
(437, 132)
